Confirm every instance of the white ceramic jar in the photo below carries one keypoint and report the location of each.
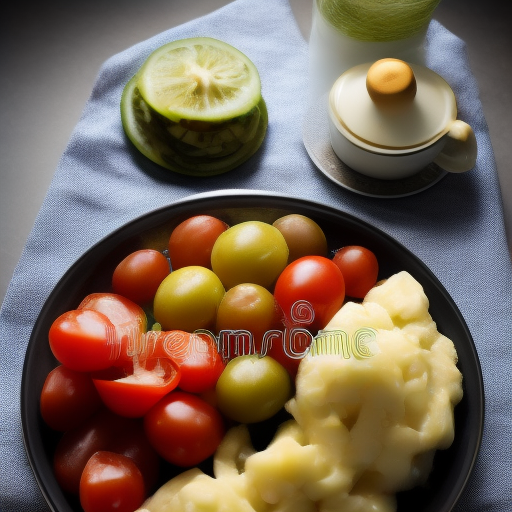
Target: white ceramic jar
(389, 120)
(334, 47)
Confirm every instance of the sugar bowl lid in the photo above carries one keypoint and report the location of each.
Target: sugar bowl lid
(392, 105)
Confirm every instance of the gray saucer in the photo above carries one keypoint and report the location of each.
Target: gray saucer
(315, 133)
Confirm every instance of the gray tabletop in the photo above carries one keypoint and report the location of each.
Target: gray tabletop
(51, 54)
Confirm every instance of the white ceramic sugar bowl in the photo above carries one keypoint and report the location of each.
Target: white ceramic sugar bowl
(389, 120)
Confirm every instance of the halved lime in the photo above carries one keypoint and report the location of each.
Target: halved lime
(199, 78)
(215, 149)
(195, 107)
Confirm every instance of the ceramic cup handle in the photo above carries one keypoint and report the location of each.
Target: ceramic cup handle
(460, 151)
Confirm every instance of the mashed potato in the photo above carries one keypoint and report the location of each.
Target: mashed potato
(366, 420)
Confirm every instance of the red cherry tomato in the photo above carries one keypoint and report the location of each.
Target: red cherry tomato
(128, 318)
(200, 364)
(315, 280)
(184, 429)
(134, 392)
(359, 267)
(133, 442)
(191, 241)
(111, 483)
(196, 355)
(103, 431)
(68, 398)
(138, 276)
(83, 340)
(276, 351)
(76, 447)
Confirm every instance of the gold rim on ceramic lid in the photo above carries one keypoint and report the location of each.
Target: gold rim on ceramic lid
(393, 105)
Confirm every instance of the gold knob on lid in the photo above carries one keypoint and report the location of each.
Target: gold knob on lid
(391, 82)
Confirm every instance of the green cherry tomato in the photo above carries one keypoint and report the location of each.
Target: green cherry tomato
(249, 252)
(187, 299)
(252, 388)
(303, 236)
(248, 307)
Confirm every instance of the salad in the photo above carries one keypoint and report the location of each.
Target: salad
(191, 345)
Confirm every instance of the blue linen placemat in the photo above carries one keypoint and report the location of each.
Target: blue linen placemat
(456, 227)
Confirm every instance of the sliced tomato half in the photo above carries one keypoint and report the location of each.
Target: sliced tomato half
(132, 391)
(195, 353)
(128, 318)
(83, 340)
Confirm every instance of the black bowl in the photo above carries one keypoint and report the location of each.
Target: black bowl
(92, 273)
